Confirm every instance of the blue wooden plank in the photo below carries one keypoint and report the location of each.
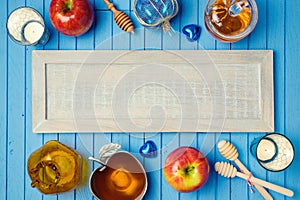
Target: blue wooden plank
(254, 166)
(240, 45)
(223, 46)
(100, 139)
(69, 139)
(122, 139)
(170, 141)
(67, 42)
(100, 5)
(32, 141)
(103, 30)
(258, 40)
(121, 39)
(16, 111)
(122, 5)
(171, 40)
(153, 168)
(103, 40)
(240, 141)
(188, 16)
(275, 41)
(153, 38)
(86, 41)
(84, 141)
(223, 184)
(53, 40)
(137, 39)
(207, 145)
(3, 102)
(136, 141)
(188, 139)
(206, 41)
(292, 92)
(85, 147)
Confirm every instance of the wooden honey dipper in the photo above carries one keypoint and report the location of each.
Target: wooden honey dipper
(230, 152)
(229, 171)
(122, 20)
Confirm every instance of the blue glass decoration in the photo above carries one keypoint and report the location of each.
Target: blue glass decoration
(153, 13)
(149, 149)
(192, 32)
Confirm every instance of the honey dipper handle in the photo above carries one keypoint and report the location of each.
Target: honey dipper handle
(111, 6)
(260, 189)
(266, 184)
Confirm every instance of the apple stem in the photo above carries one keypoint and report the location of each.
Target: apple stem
(188, 169)
(68, 6)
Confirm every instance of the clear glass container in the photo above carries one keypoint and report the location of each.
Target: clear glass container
(230, 20)
(274, 152)
(26, 26)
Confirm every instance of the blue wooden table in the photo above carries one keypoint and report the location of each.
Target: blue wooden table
(276, 30)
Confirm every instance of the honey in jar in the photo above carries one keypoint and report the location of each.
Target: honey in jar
(123, 177)
(54, 168)
(230, 20)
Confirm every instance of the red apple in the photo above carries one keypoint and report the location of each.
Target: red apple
(71, 17)
(186, 169)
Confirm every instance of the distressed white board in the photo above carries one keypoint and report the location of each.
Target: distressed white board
(152, 91)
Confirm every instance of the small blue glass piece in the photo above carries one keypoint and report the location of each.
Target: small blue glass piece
(149, 149)
(192, 32)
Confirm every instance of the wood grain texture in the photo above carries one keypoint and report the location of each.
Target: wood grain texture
(275, 31)
(292, 63)
(64, 99)
(276, 41)
(258, 40)
(3, 102)
(15, 156)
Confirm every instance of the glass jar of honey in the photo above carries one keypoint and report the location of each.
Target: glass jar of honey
(230, 20)
(54, 168)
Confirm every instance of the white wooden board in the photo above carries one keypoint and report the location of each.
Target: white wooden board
(152, 91)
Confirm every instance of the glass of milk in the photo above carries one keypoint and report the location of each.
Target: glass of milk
(26, 26)
(274, 152)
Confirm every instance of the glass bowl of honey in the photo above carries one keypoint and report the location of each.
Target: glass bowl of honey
(230, 20)
(121, 177)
